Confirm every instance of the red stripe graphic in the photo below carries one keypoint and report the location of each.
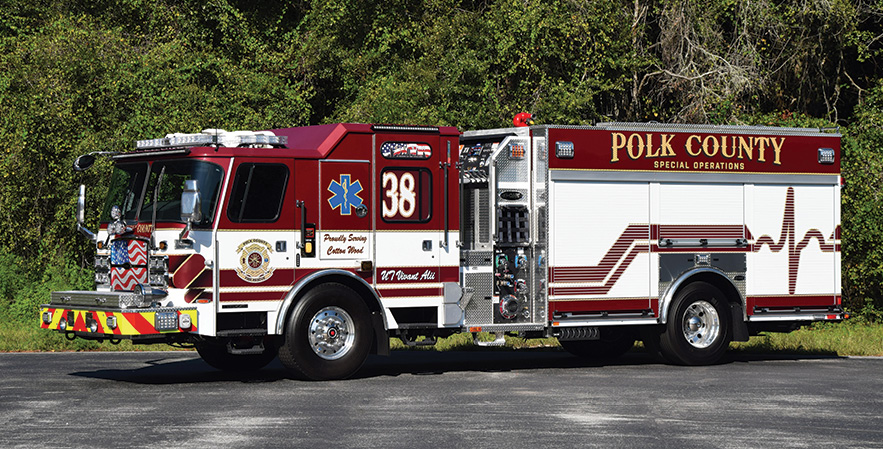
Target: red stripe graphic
(598, 273)
(788, 239)
(253, 296)
(790, 301)
(401, 292)
(701, 232)
(615, 261)
(598, 305)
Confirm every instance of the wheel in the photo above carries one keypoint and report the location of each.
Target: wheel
(698, 331)
(215, 354)
(614, 342)
(328, 335)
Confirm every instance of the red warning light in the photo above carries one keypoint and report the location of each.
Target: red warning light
(523, 119)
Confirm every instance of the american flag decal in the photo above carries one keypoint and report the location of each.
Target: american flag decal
(128, 259)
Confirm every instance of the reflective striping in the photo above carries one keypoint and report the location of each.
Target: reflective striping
(129, 323)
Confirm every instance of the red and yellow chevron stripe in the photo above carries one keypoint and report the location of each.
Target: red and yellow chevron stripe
(129, 322)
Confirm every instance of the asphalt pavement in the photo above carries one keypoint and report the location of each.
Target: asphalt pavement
(479, 398)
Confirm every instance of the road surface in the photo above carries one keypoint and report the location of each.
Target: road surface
(427, 399)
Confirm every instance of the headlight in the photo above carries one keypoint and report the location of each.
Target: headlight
(47, 317)
(102, 263)
(102, 278)
(158, 264)
(158, 280)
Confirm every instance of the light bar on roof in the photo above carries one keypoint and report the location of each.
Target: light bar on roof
(172, 141)
(212, 137)
(405, 128)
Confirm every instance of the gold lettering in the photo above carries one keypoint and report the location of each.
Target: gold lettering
(665, 148)
(761, 148)
(732, 152)
(746, 146)
(690, 146)
(715, 144)
(618, 144)
(777, 148)
(650, 149)
(639, 147)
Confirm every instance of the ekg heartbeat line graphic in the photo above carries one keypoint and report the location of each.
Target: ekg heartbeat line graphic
(625, 250)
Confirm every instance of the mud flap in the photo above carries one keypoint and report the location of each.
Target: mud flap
(740, 327)
(381, 338)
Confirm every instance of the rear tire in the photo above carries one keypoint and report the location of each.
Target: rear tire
(215, 354)
(614, 342)
(698, 329)
(328, 335)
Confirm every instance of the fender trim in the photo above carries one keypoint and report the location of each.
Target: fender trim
(298, 288)
(666, 299)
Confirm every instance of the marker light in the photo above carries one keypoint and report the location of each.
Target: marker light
(184, 321)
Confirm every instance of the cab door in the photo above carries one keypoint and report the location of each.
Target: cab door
(344, 238)
(256, 246)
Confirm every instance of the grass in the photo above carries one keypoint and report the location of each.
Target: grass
(854, 337)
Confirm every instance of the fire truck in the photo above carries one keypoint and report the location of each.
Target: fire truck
(318, 244)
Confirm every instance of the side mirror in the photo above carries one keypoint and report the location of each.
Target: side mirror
(81, 205)
(81, 214)
(191, 204)
(83, 162)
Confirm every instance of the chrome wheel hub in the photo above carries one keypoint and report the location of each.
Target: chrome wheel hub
(331, 333)
(701, 324)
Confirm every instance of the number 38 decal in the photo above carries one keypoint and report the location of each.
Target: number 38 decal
(407, 194)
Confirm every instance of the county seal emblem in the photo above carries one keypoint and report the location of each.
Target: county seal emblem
(254, 261)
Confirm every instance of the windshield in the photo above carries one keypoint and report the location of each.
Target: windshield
(127, 184)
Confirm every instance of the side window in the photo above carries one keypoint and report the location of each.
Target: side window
(257, 194)
(407, 195)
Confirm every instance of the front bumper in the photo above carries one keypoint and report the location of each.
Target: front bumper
(94, 315)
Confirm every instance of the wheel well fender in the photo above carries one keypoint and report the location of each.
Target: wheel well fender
(349, 279)
(718, 279)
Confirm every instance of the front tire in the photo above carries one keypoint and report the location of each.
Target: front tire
(698, 330)
(328, 335)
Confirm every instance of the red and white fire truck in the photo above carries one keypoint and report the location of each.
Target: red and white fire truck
(319, 243)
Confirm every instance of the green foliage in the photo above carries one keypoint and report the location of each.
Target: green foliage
(862, 208)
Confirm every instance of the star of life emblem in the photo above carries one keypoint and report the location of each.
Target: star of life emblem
(346, 194)
(254, 261)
